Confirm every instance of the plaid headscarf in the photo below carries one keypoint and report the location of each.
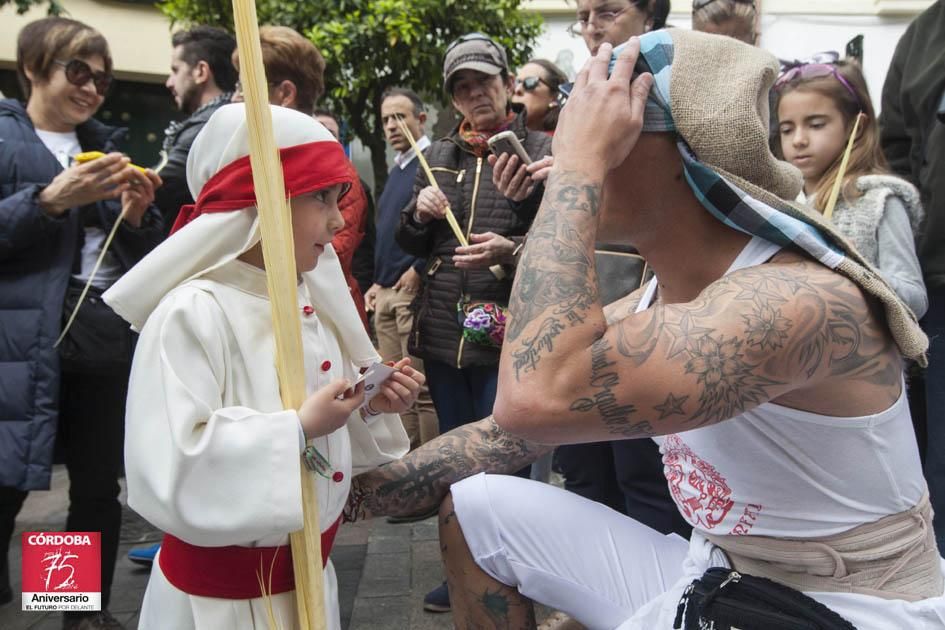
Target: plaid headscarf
(722, 198)
(712, 92)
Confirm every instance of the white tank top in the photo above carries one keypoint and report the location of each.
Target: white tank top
(776, 471)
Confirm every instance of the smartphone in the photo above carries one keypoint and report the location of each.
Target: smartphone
(506, 142)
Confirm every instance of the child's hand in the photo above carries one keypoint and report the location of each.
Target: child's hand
(328, 409)
(399, 392)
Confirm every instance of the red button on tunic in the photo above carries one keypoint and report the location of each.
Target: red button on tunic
(338, 477)
(308, 310)
(326, 365)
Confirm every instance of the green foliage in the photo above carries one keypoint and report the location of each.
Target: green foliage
(370, 45)
(22, 6)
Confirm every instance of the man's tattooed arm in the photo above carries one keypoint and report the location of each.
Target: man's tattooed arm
(418, 482)
(790, 330)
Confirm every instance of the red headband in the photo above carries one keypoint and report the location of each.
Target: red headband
(305, 167)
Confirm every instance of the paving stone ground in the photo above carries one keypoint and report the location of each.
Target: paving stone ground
(384, 570)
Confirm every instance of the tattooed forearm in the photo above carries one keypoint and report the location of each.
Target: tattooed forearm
(418, 482)
(556, 279)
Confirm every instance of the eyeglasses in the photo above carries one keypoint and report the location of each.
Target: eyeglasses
(600, 19)
(812, 71)
(79, 73)
(698, 4)
(530, 84)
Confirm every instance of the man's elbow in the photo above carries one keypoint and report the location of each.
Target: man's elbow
(522, 414)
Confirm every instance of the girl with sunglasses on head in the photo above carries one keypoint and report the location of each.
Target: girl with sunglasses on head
(536, 87)
(817, 107)
(55, 218)
(734, 18)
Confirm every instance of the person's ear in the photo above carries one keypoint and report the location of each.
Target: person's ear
(201, 72)
(287, 94)
(422, 117)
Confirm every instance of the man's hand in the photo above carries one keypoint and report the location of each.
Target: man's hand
(579, 144)
(431, 205)
(107, 177)
(370, 297)
(484, 251)
(139, 195)
(409, 281)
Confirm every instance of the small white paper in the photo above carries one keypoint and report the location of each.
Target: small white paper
(373, 378)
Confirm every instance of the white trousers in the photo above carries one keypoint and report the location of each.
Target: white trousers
(608, 571)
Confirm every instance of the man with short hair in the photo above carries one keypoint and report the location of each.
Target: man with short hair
(765, 358)
(202, 79)
(397, 275)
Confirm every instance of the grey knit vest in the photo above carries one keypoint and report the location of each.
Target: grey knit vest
(859, 218)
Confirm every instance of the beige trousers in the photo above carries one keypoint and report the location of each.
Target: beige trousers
(392, 323)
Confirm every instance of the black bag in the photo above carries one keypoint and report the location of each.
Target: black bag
(98, 340)
(723, 599)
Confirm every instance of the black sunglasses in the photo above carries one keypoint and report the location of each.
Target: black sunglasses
(79, 73)
(530, 84)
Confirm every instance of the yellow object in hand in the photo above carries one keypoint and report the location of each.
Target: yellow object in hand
(88, 156)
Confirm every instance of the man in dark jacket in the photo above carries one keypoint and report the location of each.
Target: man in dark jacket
(202, 79)
(54, 215)
(913, 138)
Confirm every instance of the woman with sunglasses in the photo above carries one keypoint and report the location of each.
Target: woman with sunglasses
(733, 18)
(818, 105)
(536, 88)
(54, 217)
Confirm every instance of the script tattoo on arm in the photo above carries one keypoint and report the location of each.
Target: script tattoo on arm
(556, 283)
(745, 340)
(419, 481)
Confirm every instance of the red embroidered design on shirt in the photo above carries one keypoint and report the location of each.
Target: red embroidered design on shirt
(748, 518)
(701, 493)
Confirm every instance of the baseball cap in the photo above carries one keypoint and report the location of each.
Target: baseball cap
(473, 51)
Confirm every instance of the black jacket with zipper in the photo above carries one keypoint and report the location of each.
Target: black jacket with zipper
(466, 180)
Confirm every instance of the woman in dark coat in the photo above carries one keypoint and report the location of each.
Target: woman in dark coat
(463, 369)
(54, 216)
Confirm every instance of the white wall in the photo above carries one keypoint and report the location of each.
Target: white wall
(787, 36)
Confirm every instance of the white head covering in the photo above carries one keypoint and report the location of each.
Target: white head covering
(212, 240)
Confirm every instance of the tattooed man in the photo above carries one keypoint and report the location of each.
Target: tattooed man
(765, 358)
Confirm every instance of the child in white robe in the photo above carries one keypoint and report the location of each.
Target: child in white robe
(212, 457)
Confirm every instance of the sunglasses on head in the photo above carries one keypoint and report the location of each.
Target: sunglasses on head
(79, 73)
(812, 71)
(530, 84)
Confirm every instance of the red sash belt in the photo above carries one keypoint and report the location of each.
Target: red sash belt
(232, 572)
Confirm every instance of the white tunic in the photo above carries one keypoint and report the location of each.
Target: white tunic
(211, 455)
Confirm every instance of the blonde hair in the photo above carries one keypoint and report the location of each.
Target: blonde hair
(867, 157)
(288, 56)
(741, 15)
(41, 43)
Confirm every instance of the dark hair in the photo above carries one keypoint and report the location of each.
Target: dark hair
(659, 12)
(42, 42)
(418, 105)
(212, 45)
(321, 111)
(554, 77)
